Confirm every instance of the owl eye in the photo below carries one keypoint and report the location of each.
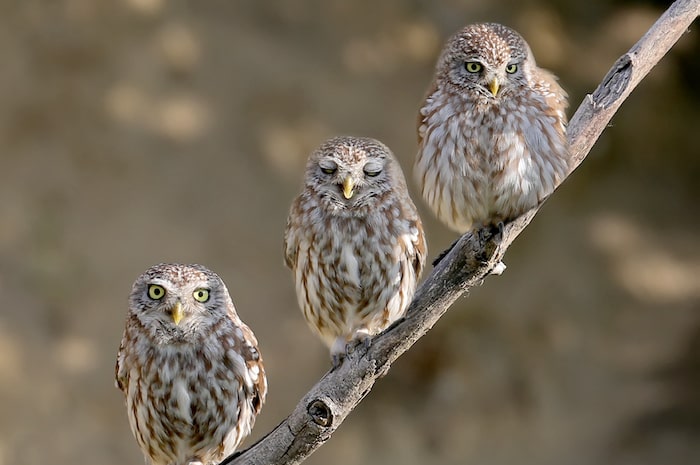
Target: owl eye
(510, 69)
(327, 166)
(473, 66)
(201, 295)
(156, 292)
(372, 170)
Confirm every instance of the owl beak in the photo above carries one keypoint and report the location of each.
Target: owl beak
(494, 86)
(177, 313)
(348, 186)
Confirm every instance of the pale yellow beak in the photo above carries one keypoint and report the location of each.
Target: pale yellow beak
(348, 186)
(494, 86)
(177, 313)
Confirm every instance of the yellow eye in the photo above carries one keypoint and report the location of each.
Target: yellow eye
(372, 169)
(510, 69)
(328, 166)
(201, 295)
(156, 292)
(473, 66)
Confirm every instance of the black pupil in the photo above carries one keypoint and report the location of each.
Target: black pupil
(157, 291)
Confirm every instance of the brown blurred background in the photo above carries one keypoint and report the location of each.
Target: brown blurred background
(139, 131)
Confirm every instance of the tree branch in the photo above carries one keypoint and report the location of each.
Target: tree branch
(330, 401)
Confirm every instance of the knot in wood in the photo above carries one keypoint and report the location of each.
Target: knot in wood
(614, 83)
(320, 413)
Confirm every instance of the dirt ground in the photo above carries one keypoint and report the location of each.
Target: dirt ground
(134, 132)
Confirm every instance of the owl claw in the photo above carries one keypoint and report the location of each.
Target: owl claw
(492, 232)
(361, 337)
(496, 231)
(337, 360)
(342, 348)
(338, 352)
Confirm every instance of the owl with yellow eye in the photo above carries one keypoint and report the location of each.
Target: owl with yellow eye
(189, 368)
(491, 130)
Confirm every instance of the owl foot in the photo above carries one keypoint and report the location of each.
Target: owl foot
(361, 336)
(492, 231)
(342, 347)
(338, 351)
(337, 360)
(497, 231)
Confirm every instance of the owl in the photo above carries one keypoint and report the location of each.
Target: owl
(354, 242)
(189, 368)
(491, 132)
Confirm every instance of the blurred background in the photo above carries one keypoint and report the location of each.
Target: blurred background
(134, 132)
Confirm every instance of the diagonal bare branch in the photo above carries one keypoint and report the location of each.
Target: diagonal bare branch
(330, 401)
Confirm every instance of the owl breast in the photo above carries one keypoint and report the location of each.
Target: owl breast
(362, 277)
(191, 417)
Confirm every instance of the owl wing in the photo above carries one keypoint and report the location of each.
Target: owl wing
(547, 85)
(421, 117)
(291, 236)
(256, 381)
(420, 249)
(120, 372)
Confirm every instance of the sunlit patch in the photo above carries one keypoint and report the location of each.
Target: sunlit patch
(643, 264)
(146, 7)
(179, 46)
(76, 355)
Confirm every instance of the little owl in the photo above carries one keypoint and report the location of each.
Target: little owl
(189, 368)
(491, 131)
(354, 242)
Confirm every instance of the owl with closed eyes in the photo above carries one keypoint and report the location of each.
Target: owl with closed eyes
(491, 131)
(354, 242)
(189, 368)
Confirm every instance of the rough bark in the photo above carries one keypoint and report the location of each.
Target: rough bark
(330, 401)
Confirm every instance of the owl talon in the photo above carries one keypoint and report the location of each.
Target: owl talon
(338, 351)
(337, 360)
(361, 337)
(497, 231)
(484, 234)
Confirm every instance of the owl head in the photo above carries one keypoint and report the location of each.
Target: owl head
(487, 61)
(352, 174)
(174, 302)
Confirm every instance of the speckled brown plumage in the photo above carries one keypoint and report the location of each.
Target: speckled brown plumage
(491, 130)
(354, 242)
(189, 368)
